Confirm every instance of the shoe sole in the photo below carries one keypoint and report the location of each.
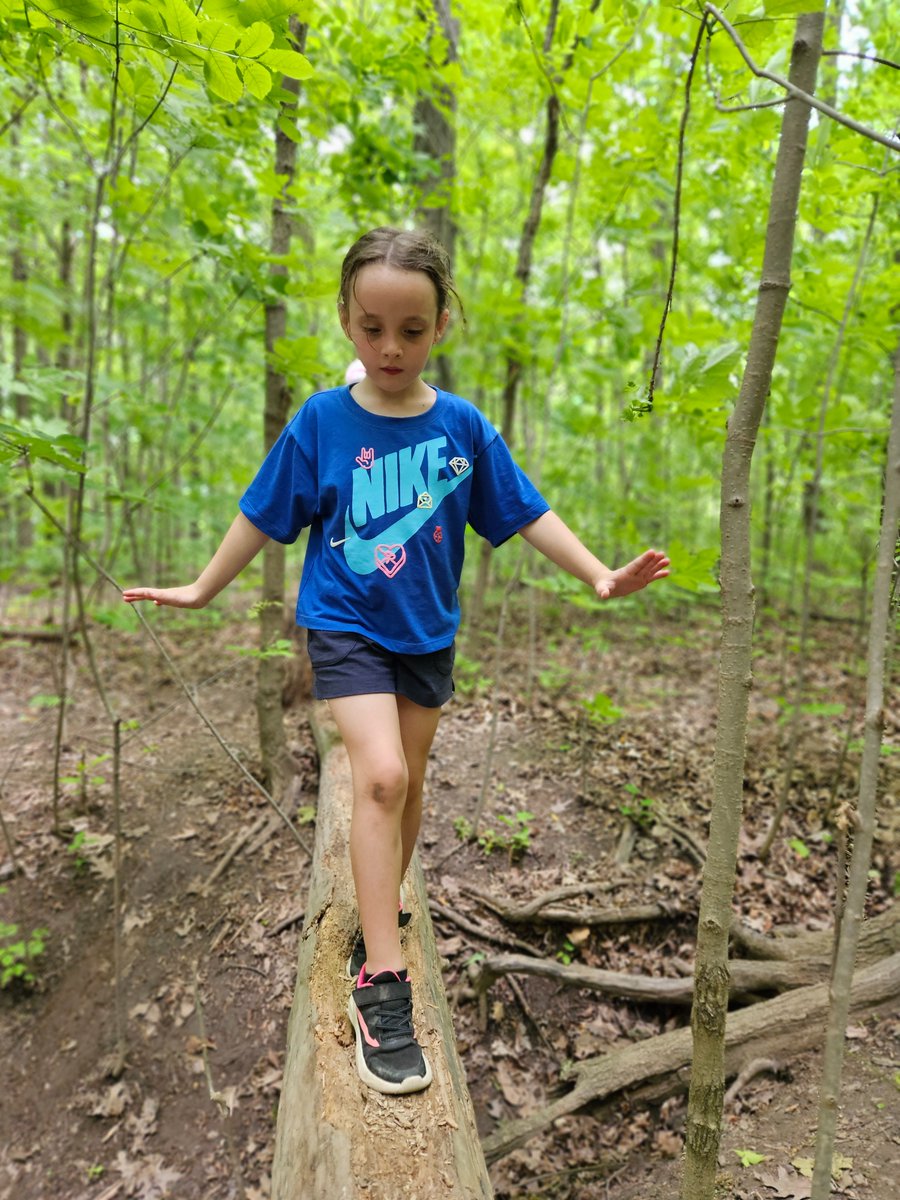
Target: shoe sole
(415, 1083)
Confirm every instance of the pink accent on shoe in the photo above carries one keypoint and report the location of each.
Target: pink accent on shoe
(365, 1030)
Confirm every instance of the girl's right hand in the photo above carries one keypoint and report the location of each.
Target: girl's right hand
(177, 597)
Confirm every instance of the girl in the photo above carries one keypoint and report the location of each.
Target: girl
(387, 472)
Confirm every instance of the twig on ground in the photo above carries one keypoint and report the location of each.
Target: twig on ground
(684, 838)
(293, 919)
(242, 838)
(752, 1069)
(221, 1099)
(479, 931)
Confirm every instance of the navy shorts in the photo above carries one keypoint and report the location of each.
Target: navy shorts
(348, 664)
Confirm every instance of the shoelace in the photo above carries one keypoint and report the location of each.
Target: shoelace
(393, 1019)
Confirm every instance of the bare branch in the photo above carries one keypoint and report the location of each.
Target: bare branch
(884, 62)
(892, 143)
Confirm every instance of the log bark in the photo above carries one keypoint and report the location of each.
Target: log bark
(336, 1139)
(660, 1065)
(878, 938)
(746, 977)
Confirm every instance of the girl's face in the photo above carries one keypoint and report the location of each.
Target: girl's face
(392, 319)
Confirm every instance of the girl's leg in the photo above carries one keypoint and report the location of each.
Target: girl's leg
(370, 727)
(417, 729)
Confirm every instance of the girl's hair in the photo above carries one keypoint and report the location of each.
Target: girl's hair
(408, 250)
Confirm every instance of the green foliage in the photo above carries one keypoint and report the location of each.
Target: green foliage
(639, 809)
(18, 953)
(469, 677)
(280, 648)
(183, 263)
(515, 840)
(566, 953)
(601, 709)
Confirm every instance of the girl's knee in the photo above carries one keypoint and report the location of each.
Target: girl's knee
(386, 782)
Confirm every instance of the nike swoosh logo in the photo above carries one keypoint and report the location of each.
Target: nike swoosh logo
(360, 551)
(335, 542)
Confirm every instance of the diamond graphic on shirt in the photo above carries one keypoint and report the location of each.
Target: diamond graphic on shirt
(389, 559)
(366, 458)
(459, 465)
(425, 501)
(438, 534)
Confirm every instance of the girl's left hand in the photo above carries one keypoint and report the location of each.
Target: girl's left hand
(646, 568)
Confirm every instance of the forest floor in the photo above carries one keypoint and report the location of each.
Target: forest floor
(207, 973)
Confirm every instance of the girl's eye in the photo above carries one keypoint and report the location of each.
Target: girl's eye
(370, 329)
(413, 332)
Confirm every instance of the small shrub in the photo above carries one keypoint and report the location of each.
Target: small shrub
(17, 954)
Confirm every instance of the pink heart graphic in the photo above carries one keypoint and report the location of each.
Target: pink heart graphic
(389, 559)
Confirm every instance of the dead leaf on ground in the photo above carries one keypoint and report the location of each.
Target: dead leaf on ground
(113, 1102)
(785, 1185)
(147, 1178)
(839, 1164)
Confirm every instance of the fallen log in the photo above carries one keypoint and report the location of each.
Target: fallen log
(38, 635)
(746, 977)
(336, 1139)
(878, 938)
(774, 1028)
(541, 908)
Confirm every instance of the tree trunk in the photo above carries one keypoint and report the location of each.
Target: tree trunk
(659, 1066)
(434, 115)
(704, 1118)
(21, 404)
(811, 509)
(336, 1139)
(270, 679)
(879, 631)
(523, 275)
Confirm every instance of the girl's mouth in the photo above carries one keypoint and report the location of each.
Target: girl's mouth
(392, 370)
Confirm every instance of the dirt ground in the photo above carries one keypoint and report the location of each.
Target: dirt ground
(207, 968)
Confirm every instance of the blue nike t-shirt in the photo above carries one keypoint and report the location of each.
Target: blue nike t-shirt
(387, 500)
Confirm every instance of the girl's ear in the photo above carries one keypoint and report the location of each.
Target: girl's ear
(344, 318)
(441, 324)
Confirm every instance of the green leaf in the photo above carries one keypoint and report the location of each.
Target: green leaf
(749, 1158)
(218, 36)
(288, 126)
(799, 847)
(179, 20)
(148, 16)
(784, 8)
(87, 16)
(288, 62)
(256, 39)
(257, 80)
(15, 441)
(222, 78)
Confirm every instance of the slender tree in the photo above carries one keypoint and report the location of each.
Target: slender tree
(434, 115)
(879, 639)
(709, 1010)
(270, 679)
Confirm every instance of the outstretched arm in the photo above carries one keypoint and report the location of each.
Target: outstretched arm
(241, 544)
(556, 541)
